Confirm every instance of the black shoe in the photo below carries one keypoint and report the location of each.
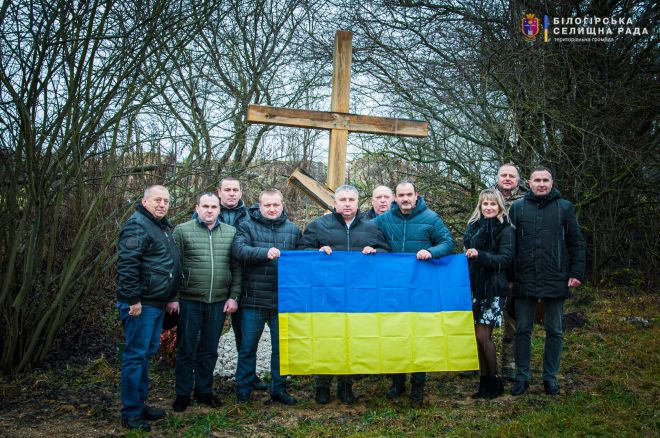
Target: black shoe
(258, 384)
(242, 398)
(181, 403)
(398, 386)
(345, 393)
(551, 388)
(208, 400)
(322, 396)
(482, 388)
(150, 413)
(283, 397)
(135, 423)
(417, 392)
(492, 388)
(519, 388)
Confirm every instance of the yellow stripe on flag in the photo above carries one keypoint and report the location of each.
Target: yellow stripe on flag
(375, 343)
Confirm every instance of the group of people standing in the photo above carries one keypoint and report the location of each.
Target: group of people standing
(523, 249)
(224, 262)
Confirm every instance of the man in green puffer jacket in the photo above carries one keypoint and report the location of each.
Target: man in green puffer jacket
(549, 259)
(211, 287)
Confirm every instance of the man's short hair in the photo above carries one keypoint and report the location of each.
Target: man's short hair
(404, 182)
(214, 194)
(228, 178)
(272, 191)
(542, 169)
(153, 186)
(509, 164)
(347, 188)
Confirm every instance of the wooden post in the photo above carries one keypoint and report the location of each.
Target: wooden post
(341, 85)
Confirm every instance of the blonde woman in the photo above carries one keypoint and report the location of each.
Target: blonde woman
(489, 242)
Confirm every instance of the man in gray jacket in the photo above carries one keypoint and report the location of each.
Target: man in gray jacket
(211, 287)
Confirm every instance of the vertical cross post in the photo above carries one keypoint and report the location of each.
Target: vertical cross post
(341, 85)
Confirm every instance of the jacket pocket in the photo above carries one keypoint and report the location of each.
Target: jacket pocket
(159, 282)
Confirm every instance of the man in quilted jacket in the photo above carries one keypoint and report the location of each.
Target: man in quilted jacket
(211, 286)
(257, 246)
(410, 226)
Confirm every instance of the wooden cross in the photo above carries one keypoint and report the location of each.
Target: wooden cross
(337, 120)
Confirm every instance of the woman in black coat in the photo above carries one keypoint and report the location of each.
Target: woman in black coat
(489, 242)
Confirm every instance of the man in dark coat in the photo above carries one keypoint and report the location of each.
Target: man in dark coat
(148, 277)
(550, 259)
(234, 212)
(257, 247)
(346, 229)
(410, 226)
(381, 201)
(508, 184)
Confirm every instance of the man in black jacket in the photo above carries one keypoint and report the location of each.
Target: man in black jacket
(508, 179)
(381, 201)
(257, 246)
(148, 276)
(550, 259)
(345, 229)
(234, 212)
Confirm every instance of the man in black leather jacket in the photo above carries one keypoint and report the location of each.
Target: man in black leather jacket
(148, 276)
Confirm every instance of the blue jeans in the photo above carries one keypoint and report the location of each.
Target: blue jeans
(142, 337)
(552, 322)
(197, 338)
(253, 321)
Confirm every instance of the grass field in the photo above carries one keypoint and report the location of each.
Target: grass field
(609, 381)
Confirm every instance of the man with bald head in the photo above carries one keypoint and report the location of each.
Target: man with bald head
(148, 276)
(508, 179)
(381, 200)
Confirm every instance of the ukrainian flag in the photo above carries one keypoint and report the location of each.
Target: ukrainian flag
(350, 313)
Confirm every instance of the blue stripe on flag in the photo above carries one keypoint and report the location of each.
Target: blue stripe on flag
(356, 283)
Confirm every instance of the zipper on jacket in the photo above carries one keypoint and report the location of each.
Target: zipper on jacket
(212, 268)
(348, 237)
(403, 242)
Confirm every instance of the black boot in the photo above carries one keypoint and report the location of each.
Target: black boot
(322, 395)
(398, 386)
(345, 392)
(417, 392)
(492, 388)
(482, 388)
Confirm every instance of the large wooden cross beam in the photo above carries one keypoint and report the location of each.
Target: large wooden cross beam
(337, 120)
